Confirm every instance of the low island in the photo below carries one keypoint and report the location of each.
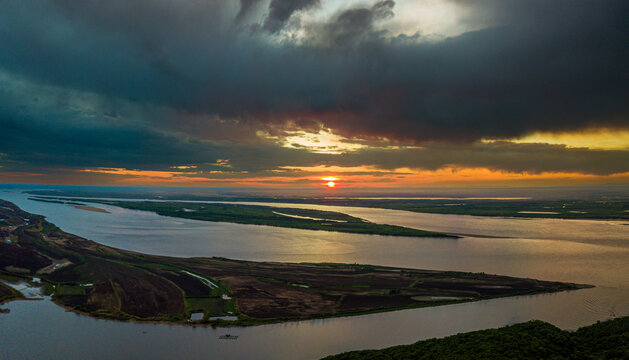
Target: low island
(106, 282)
(259, 215)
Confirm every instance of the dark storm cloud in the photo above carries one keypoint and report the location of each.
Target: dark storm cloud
(47, 142)
(246, 7)
(29, 144)
(45, 129)
(506, 156)
(549, 66)
(188, 72)
(353, 26)
(51, 142)
(281, 10)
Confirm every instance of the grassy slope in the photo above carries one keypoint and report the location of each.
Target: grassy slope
(530, 340)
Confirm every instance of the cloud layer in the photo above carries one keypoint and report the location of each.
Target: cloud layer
(151, 84)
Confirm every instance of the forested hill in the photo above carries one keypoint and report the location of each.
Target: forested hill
(530, 340)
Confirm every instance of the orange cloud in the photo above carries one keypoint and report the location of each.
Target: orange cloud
(350, 177)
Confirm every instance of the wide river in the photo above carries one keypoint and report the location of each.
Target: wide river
(593, 252)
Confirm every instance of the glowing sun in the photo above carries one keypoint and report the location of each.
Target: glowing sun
(330, 181)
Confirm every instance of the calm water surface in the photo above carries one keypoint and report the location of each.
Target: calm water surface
(594, 252)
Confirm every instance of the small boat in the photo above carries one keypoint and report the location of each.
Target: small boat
(228, 337)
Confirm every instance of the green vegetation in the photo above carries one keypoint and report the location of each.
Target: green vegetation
(530, 340)
(56, 201)
(561, 209)
(211, 306)
(68, 290)
(608, 207)
(271, 216)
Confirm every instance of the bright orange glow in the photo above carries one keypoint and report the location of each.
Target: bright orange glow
(330, 181)
(316, 176)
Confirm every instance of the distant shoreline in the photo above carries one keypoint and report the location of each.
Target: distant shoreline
(517, 208)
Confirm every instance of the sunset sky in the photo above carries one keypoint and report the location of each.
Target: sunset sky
(292, 93)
